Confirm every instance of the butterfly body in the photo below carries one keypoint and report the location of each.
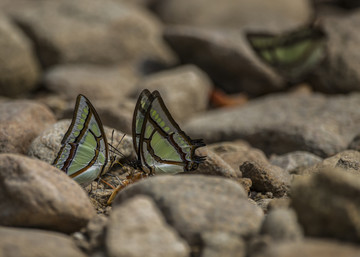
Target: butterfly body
(84, 154)
(161, 146)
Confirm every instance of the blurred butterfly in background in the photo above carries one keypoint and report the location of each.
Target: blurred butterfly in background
(84, 154)
(294, 54)
(161, 146)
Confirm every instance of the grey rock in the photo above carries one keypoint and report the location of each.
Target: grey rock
(234, 13)
(222, 244)
(47, 145)
(282, 225)
(295, 160)
(340, 73)
(137, 228)
(327, 204)
(226, 57)
(285, 123)
(92, 32)
(19, 68)
(195, 204)
(266, 177)
(93, 81)
(185, 90)
(20, 122)
(35, 194)
(309, 248)
(214, 165)
(236, 153)
(15, 242)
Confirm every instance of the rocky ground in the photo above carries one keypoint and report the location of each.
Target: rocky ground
(282, 174)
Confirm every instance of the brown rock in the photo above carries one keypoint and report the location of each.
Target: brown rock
(35, 194)
(93, 81)
(310, 248)
(103, 33)
(20, 122)
(328, 204)
(214, 165)
(266, 177)
(19, 68)
(236, 153)
(36, 243)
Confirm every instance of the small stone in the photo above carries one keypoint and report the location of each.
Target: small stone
(36, 243)
(214, 165)
(309, 248)
(281, 225)
(20, 122)
(347, 160)
(266, 177)
(327, 204)
(236, 153)
(295, 160)
(36, 194)
(137, 228)
(222, 244)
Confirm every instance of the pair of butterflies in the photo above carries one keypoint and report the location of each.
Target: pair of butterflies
(161, 146)
(294, 54)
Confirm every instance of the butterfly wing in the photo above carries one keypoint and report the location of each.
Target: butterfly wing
(84, 151)
(292, 54)
(162, 146)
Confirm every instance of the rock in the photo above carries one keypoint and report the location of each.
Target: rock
(137, 228)
(266, 177)
(222, 244)
(195, 204)
(285, 123)
(340, 73)
(185, 90)
(106, 33)
(93, 81)
(234, 14)
(328, 204)
(47, 145)
(347, 160)
(264, 204)
(35, 194)
(214, 165)
(226, 57)
(310, 248)
(20, 122)
(36, 243)
(92, 238)
(19, 68)
(236, 153)
(295, 160)
(282, 225)
(355, 143)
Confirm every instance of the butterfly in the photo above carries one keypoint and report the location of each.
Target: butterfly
(161, 146)
(84, 154)
(294, 54)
